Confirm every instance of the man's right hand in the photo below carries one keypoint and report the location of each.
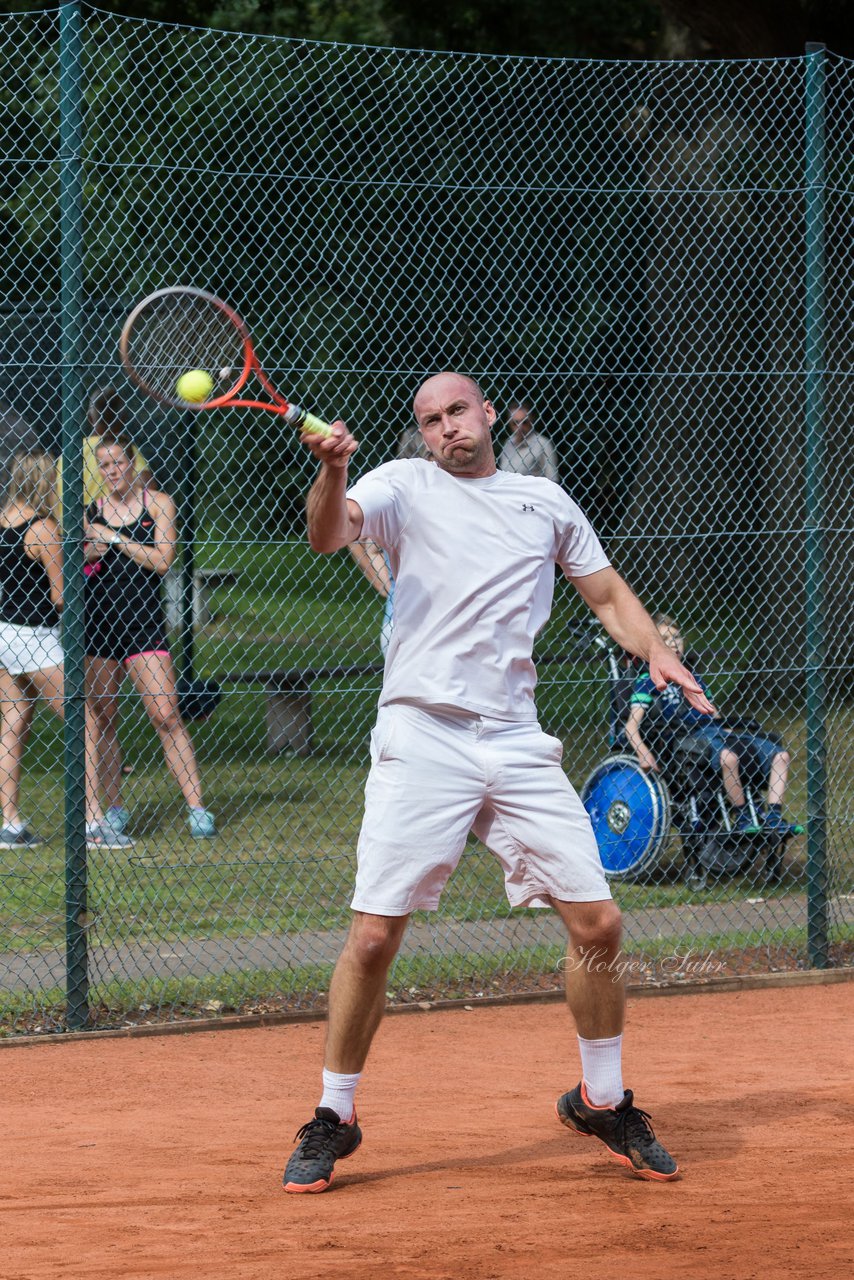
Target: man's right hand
(334, 450)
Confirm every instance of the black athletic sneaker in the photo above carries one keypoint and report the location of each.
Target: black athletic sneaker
(321, 1142)
(625, 1130)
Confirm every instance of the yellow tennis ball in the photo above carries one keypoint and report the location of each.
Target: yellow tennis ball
(194, 386)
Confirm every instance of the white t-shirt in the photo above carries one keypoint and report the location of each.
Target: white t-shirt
(473, 563)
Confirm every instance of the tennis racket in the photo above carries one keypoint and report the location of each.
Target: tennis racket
(186, 335)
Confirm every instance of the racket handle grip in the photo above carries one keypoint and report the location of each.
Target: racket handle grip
(302, 420)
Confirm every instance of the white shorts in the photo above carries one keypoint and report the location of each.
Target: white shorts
(24, 650)
(435, 777)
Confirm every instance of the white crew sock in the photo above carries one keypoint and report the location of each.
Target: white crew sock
(15, 828)
(339, 1092)
(602, 1071)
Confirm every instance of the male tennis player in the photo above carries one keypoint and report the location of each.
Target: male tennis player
(457, 746)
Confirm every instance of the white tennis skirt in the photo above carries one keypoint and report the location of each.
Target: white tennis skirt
(24, 650)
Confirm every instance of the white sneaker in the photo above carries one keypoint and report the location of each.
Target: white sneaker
(117, 818)
(100, 835)
(202, 824)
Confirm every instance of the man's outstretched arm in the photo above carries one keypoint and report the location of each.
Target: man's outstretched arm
(627, 621)
(333, 520)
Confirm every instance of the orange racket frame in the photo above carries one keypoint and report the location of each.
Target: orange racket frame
(293, 414)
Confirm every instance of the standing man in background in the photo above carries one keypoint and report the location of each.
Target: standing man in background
(527, 452)
(411, 444)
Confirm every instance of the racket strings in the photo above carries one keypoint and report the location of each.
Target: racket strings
(175, 334)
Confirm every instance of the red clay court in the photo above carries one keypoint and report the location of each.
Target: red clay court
(162, 1157)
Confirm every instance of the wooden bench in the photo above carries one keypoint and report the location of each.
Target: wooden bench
(288, 700)
(204, 582)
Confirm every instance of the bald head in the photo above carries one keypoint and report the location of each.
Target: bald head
(447, 384)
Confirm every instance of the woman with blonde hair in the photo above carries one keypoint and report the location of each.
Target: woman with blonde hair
(30, 650)
(105, 412)
(131, 539)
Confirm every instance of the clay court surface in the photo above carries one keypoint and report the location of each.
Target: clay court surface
(162, 1157)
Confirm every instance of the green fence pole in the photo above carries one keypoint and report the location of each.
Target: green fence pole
(71, 270)
(814, 339)
(189, 482)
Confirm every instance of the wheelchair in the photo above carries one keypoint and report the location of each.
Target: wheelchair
(635, 812)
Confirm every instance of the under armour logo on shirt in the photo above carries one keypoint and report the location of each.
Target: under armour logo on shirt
(527, 507)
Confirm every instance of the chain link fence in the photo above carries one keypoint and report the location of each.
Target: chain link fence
(648, 263)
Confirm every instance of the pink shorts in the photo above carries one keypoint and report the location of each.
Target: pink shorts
(435, 777)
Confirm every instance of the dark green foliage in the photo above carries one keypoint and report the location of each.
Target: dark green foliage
(550, 28)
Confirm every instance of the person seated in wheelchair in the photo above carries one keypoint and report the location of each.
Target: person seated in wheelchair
(724, 748)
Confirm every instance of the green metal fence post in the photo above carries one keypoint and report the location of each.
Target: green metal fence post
(71, 254)
(814, 340)
(189, 483)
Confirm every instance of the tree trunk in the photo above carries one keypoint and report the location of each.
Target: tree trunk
(689, 519)
(718, 513)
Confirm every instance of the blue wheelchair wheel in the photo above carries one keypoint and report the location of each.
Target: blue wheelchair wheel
(630, 813)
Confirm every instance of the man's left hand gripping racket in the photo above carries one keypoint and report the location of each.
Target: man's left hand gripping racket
(190, 350)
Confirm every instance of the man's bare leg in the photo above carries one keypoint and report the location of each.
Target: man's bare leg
(357, 990)
(595, 992)
(356, 1007)
(593, 979)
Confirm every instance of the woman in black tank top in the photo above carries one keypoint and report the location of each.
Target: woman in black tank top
(30, 652)
(131, 536)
